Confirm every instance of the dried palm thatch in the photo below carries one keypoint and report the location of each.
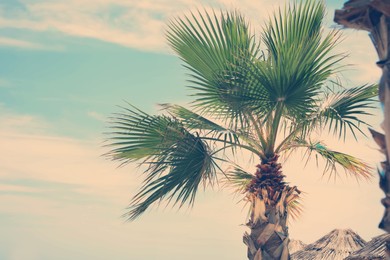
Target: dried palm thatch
(374, 16)
(336, 245)
(373, 250)
(295, 246)
(362, 14)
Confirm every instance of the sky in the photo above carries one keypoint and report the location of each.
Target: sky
(65, 67)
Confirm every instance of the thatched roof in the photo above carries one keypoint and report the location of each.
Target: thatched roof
(295, 245)
(336, 245)
(373, 250)
(362, 14)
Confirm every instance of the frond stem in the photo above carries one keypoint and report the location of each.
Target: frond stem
(288, 138)
(231, 144)
(258, 129)
(274, 126)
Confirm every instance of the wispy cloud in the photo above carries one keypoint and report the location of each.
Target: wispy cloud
(16, 43)
(141, 24)
(14, 124)
(32, 158)
(131, 25)
(135, 24)
(97, 116)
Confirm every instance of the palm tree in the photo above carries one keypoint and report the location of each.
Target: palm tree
(267, 101)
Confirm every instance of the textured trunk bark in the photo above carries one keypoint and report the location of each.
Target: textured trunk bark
(268, 238)
(270, 197)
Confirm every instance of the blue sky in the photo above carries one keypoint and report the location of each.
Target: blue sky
(65, 66)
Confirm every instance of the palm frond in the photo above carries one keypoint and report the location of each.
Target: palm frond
(193, 120)
(341, 110)
(177, 161)
(238, 179)
(216, 50)
(136, 135)
(296, 74)
(187, 165)
(212, 131)
(294, 206)
(333, 159)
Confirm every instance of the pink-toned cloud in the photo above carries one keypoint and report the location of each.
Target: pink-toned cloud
(141, 25)
(138, 25)
(28, 152)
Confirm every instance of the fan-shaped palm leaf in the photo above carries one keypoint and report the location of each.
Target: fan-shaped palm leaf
(137, 135)
(238, 179)
(216, 50)
(352, 165)
(296, 74)
(178, 161)
(194, 121)
(341, 110)
(180, 170)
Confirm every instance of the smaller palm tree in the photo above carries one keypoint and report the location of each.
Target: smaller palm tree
(267, 103)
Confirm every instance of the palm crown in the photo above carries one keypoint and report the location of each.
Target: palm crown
(265, 98)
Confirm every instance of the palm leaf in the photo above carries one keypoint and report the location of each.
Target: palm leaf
(238, 179)
(137, 135)
(216, 50)
(295, 208)
(341, 110)
(178, 161)
(296, 74)
(193, 120)
(175, 175)
(333, 159)
(217, 133)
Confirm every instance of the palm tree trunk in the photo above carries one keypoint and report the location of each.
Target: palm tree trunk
(270, 197)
